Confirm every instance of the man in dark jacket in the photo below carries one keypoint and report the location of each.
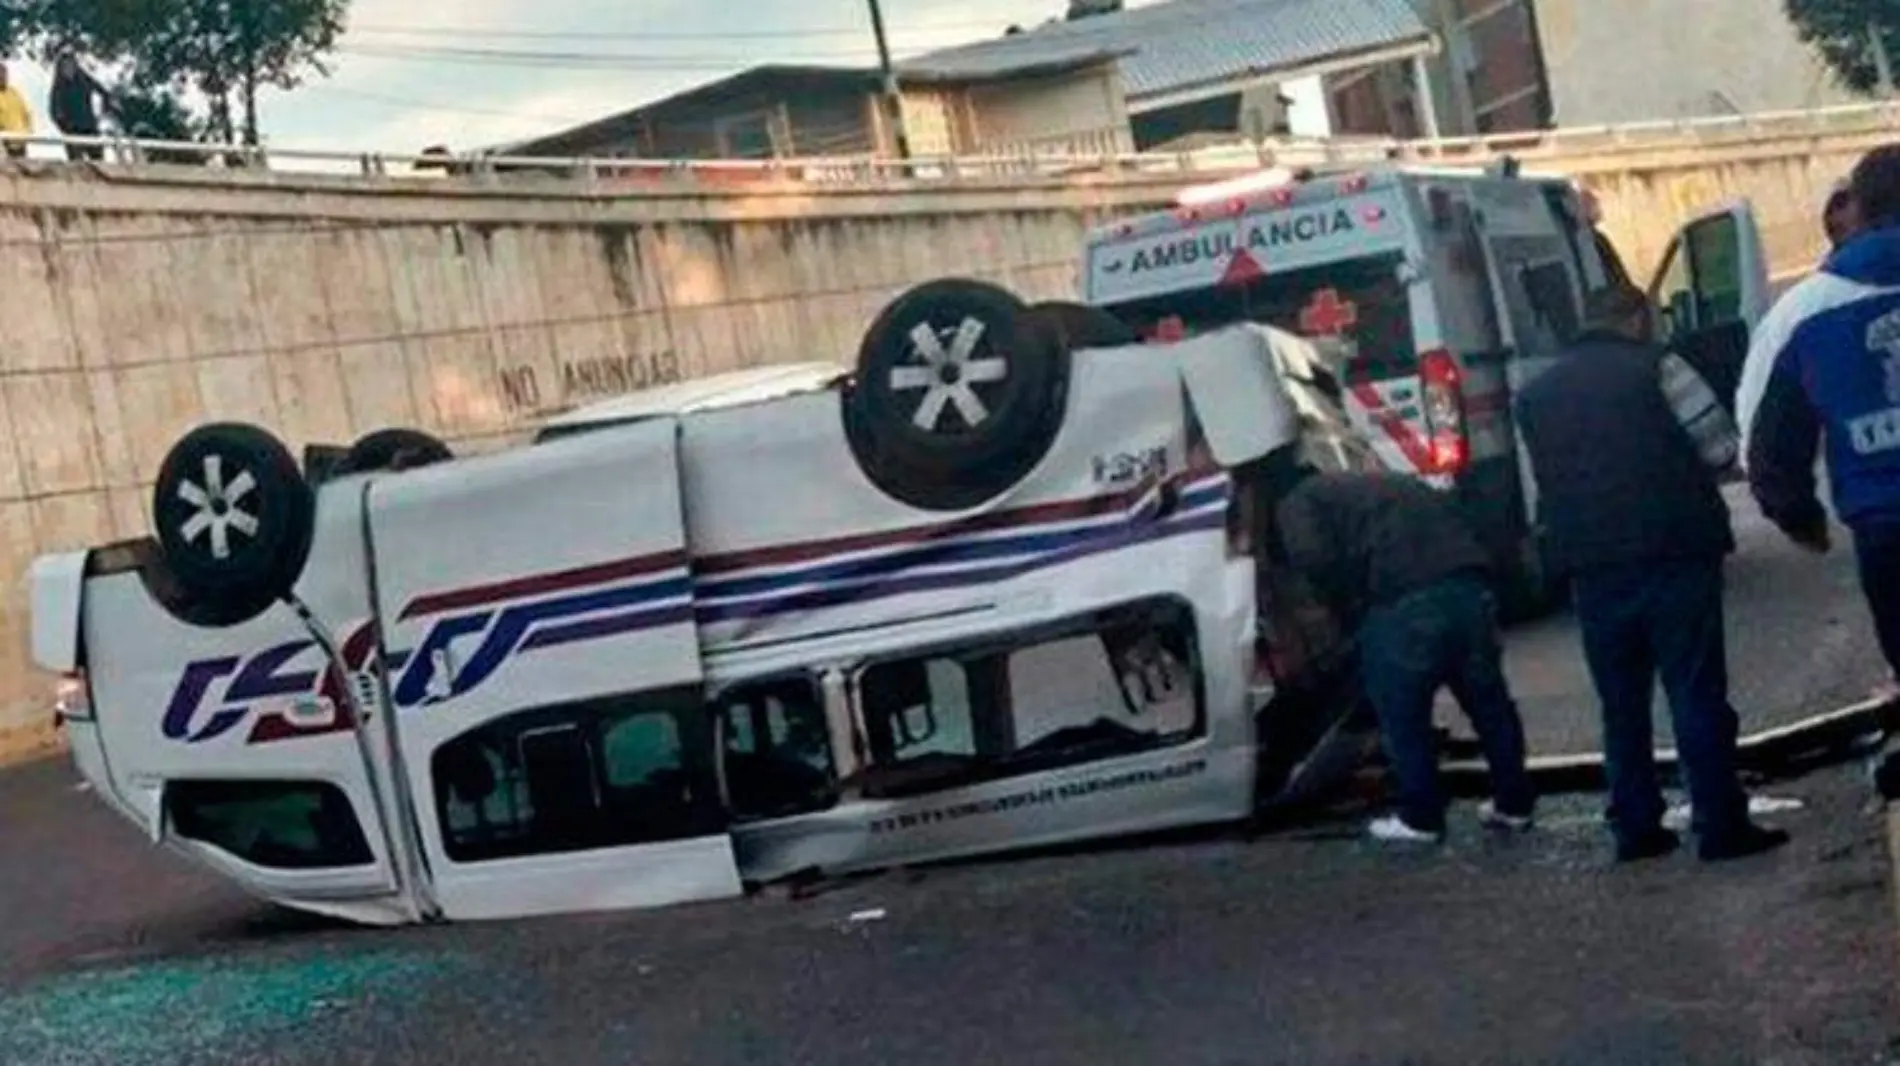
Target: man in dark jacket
(1825, 364)
(1625, 445)
(74, 107)
(1393, 558)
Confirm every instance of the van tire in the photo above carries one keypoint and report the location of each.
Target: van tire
(394, 449)
(235, 518)
(955, 424)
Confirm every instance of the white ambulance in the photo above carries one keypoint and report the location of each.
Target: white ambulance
(1436, 294)
(989, 591)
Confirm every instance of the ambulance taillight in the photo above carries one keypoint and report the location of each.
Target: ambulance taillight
(1442, 395)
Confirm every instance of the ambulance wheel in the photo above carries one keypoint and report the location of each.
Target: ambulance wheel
(959, 393)
(394, 449)
(235, 518)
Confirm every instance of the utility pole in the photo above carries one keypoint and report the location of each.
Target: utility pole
(1883, 64)
(893, 96)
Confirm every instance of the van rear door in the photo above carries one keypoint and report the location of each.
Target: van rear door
(544, 668)
(240, 744)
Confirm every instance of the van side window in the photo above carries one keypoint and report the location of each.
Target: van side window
(1111, 683)
(600, 774)
(776, 748)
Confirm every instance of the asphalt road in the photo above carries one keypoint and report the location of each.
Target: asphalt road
(1800, 644)
(1302, 947)
(1306, 948)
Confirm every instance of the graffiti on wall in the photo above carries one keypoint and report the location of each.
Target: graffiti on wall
(524, 387)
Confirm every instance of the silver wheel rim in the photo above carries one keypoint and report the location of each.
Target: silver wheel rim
(217, 507)
(947, 373)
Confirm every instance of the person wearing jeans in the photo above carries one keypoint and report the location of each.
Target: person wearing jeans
(1824, 365)
(1877, 550)
(1626, 442)
(1392, 557)
(1645, 619)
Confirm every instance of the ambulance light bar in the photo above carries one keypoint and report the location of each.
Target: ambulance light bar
(1275, 184)
(1251, 184)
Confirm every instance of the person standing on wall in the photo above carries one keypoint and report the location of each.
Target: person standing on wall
(15, 116)
(74, 106)
(1626, 443)
(1826, 364)
(1392, 558)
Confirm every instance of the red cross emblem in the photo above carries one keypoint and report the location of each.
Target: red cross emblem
(1328, 315)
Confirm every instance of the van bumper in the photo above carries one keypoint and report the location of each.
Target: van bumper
(89, 757)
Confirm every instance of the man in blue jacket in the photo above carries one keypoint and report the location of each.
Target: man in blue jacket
(1825, 365)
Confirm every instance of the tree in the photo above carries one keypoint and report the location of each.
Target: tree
(1842, 31)
(157, 115)
(228, 49)
(222, 50)
(1081, 9)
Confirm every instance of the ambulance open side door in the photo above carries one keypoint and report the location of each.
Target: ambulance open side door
(1711, 291)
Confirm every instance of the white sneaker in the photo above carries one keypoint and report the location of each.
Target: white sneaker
(1491, 818)
(1393, 829)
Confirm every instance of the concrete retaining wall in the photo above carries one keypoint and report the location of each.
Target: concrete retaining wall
(139, 303)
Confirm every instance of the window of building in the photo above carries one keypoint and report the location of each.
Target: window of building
(281, 825)
(1112, 683)
(752, 136)
(606, 773)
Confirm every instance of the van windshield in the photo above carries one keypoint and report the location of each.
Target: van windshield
(1356, 309)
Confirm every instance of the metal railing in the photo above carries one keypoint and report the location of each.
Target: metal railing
(861, 169)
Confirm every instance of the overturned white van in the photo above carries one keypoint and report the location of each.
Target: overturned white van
(994, 589)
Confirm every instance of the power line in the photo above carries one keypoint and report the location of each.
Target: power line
(491, 33)
(413, 104)
(502, 53)
(568, 60)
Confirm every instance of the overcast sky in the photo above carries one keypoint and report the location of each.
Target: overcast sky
(383, 95)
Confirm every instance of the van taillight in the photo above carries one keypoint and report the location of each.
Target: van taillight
(1441, 384)
(72, 698)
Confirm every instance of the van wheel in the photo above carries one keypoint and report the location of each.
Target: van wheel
(235, 519)
(394, 449)
(959, 393)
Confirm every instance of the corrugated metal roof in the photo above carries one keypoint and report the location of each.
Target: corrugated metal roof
(1187, 43)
